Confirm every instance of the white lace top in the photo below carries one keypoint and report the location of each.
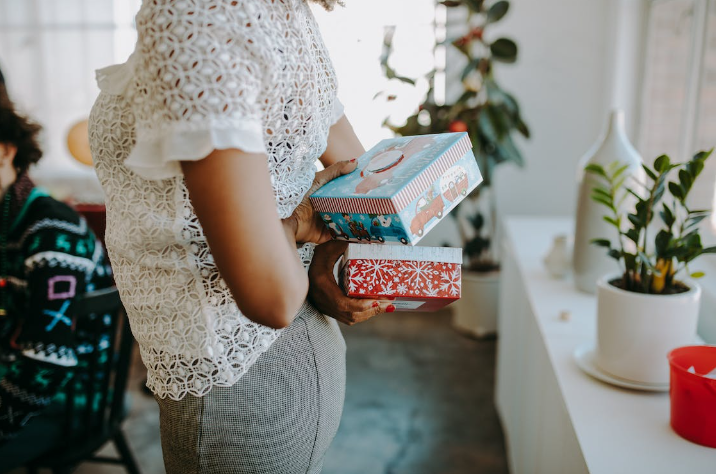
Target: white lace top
(253, 75)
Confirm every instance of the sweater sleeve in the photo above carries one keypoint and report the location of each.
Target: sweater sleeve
(58, 266)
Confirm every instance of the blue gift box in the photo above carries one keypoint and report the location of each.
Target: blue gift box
(400, 189)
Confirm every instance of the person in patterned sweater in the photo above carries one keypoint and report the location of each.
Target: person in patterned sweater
(48, 258)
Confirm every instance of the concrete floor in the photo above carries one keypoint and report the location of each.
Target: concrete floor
(419, 401)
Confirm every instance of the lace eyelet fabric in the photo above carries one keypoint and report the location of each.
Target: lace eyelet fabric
(254, 76)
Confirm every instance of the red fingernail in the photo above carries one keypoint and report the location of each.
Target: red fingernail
(352, 160)
(375, 304)
(390, 308)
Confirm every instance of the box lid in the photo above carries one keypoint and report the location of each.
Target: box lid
(392, 252)
(392, 174)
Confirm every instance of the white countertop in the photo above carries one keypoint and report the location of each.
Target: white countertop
(618, 430)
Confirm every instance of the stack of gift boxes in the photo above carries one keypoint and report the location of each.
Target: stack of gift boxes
(399, 191)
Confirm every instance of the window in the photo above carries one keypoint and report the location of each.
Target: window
(49, 50)
(354, 36)
(679, 95)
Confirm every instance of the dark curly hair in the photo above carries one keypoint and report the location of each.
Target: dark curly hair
(21, 132)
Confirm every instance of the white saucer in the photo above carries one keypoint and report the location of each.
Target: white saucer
(585, 356)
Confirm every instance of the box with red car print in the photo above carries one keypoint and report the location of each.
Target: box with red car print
(412, 278)
(400, 190)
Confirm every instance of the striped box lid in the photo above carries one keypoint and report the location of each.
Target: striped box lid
(392, 252)
(397, 179)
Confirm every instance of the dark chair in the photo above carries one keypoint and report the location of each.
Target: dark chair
(102, 384)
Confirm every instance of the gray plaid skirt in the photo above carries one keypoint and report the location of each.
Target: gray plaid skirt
(279, 418)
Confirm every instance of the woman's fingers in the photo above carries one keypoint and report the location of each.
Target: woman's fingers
(310, 226)
(329, 298)
(332, 172)
(376, 308)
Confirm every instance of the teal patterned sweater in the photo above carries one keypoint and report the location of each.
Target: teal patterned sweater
(52, 259)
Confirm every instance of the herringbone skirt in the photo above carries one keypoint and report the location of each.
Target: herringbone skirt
(279, 418)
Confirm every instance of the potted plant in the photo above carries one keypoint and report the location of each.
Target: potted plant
(651, 306)
(491, 116)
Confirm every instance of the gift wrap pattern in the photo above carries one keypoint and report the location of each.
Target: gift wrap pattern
(413, 278)
(400, 189)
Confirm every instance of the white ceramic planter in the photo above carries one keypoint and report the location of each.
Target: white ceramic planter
(475, 313)
(636, 331)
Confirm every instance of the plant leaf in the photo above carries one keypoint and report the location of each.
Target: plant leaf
(614, 253)
(648, 172)
(612, 221)
(602, 191)
(661, 242)
(667, 216)
(662, 163)
(636, 220)
(676, 191)
(602, 200)
(633, 235)
(504, 50)
(686, 179)
(697, 275)
(497, 11)
(596, 169)
(601, 243)
(618, 172)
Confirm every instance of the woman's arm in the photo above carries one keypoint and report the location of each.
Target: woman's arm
(343, 144)
(253, 248)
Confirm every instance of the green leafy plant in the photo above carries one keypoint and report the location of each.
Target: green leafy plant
(646, 266)
(489, 114)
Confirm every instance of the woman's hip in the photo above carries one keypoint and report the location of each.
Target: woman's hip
(280, 417)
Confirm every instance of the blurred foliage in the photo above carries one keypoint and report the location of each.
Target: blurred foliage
(489, 114)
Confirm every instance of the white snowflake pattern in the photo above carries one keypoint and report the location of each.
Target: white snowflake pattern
(378, 271)
(402, 288)
(387, 289)
(451, 282)
(417, 273)
(431, 290)
(354, 278)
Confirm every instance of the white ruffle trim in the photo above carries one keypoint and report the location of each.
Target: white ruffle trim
(115, 79)
(158, 158)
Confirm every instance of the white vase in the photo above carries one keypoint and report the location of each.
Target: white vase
(636, 331)
(589, 261)
(558, 260)
(475, 313)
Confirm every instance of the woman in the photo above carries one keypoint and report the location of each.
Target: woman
(48, 258)
(205, 143)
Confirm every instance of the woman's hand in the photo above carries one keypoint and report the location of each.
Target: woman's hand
(328, 298)
(308, 224)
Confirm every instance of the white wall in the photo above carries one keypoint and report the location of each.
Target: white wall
(578, 59)
(561, 81)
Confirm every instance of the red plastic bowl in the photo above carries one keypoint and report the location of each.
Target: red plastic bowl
(693, 396)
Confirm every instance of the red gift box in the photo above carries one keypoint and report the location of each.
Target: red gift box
(412, 278)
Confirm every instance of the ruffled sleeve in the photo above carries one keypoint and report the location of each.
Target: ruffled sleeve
(194, 87)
